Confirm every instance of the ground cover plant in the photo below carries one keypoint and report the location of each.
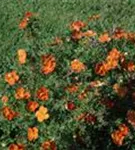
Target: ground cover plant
(67, 75)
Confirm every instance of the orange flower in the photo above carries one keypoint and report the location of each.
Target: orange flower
(42, 114)
(121, 91)
(28, 14)
(104, 38)
(72, 88)
(77, 25)
(130, 66)
(11, 77)
(32, 133)
(24, 22)
(124, 129)
(119, 34)
(77, 35)
(43, 93)
(101, 68)
(114, 54)
(9, 113)
(49, 145)
(16, 147)
(117, 138)
(119, 135)
(32, 106)
(22, 56)
(77, 66)
(4, 99)
(21, 93)
(48, 64)
(89, 33)
(112, 64)
(131, 117)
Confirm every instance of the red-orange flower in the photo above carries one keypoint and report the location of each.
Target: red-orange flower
(22, 56)
(48, 64)
(28, 14)
(77, 25)
(32, 133)
(21, 93)
(101, 68)
(119, 135)
(72, 88)
(104, 38)
(16, 147)
(9, 113)
(32, 106)
(49, 145)
(11, 77)
(24, 22)
(77, 66)
(130, 66)
(42, 114)
(43, 93)
(119, 34)
(124, 129)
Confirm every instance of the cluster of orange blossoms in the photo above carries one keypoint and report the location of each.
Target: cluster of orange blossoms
(48, 64)
(119, 135)
(24, 22)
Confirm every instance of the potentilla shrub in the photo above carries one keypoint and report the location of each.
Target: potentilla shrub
(76, 92)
